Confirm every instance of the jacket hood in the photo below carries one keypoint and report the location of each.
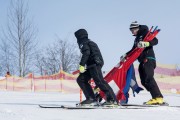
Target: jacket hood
(143, 29)
(81, 35)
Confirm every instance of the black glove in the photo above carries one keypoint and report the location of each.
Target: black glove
(123, 58)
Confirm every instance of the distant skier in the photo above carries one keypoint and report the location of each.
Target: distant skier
(92, 55)
(8, 74)
(147, 62)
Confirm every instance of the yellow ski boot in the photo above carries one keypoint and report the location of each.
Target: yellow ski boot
(155, 101)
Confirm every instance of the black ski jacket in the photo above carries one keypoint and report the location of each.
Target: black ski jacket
(148, 52)
(89, 49)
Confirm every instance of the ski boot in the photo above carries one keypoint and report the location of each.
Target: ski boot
(111, 104)
(88, 102)
(155, 101)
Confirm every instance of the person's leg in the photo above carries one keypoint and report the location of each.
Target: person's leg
(97, 76)
(83, 82)
(150, 82)
(147, 78)
(142, 75)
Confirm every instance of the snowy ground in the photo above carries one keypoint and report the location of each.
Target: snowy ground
(24, 106)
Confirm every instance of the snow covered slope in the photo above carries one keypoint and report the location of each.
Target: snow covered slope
(24, 106)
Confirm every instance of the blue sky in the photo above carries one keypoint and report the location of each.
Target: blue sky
(107, 22)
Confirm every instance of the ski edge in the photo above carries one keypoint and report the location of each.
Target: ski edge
(144, 105)
(78, 107)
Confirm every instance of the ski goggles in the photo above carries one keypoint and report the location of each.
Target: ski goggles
(133, 29)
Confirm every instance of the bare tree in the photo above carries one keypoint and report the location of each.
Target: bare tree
(60, 55)
(20, 35)
(6, 60)
(67, 55)
(39, 62)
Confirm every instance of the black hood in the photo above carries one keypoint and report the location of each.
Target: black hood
(143, 30)
(81, 34)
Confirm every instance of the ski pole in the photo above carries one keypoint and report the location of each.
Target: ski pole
(148, 33)
(155, 29)
(154, 35)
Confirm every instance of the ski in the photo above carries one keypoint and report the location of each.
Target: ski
(144, 105)
(64, 107)
(88, 107)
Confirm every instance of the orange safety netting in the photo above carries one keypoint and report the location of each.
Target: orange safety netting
(60, 82)
(64, 82)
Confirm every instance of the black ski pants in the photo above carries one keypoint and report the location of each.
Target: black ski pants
(96, 74)
(146, 72)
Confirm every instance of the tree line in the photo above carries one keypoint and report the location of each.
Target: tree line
(19, 50)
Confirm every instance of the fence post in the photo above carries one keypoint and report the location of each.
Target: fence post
(80, 95)
(61, 84)
(45, 84)
(61, 78)
(6, 83)
(13, 83)
(32, 83)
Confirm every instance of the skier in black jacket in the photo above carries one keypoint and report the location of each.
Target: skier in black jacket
(92, 55)
(147, 62)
